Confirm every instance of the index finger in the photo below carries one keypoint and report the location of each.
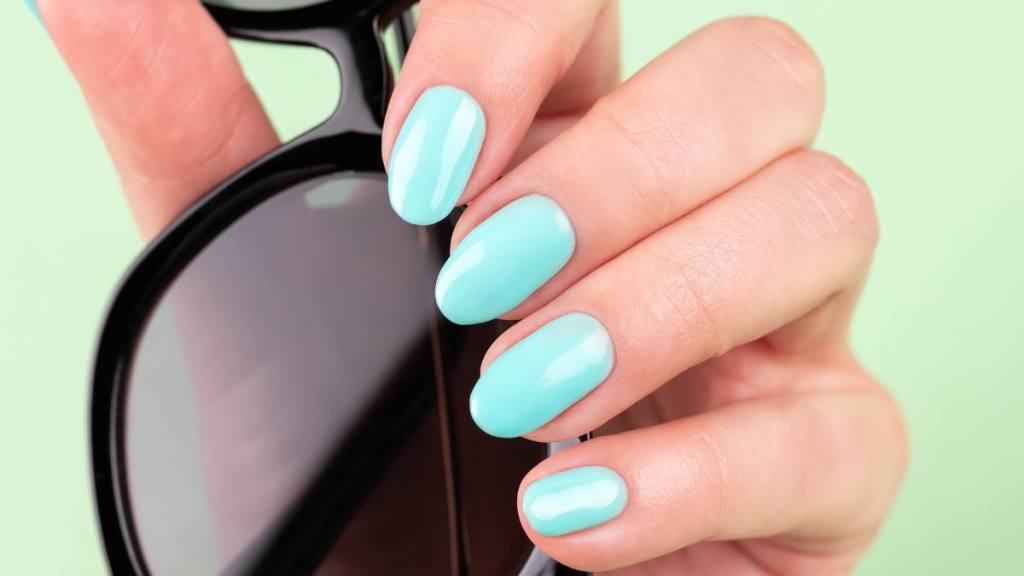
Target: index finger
(473, 64)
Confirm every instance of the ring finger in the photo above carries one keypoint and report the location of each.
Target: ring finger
(692, 291)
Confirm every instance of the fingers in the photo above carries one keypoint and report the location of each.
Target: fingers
(474, 64)
(167, 94)
(819, 467)
(594, 73)
(773, 249)
(701, 118)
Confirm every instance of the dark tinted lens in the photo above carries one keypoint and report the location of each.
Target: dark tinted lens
(263, 5)
(489, 469)
(281, 343)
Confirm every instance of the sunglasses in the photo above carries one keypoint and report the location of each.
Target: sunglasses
(274, 391)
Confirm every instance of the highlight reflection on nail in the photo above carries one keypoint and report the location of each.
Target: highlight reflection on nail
(504, 260)
(542, 375)
(434, 154)
(574, 500)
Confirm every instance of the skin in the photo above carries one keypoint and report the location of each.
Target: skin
(723, 254)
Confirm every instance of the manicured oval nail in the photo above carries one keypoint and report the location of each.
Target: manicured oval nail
(574, 500)
(542, 375)
(504, 260)
(434, 154)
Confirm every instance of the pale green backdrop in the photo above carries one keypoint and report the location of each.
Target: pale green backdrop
(925, 100)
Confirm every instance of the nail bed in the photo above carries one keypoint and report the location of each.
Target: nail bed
(434, 154)
(504, 260)
(574, 500)
(542, 375)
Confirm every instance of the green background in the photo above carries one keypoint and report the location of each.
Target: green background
(925, 100)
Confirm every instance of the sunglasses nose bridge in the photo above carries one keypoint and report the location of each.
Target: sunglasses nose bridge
(357, 50)
(365, 76)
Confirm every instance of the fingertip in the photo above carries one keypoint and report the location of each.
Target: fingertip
(484, 421)
(435, 154)
(574, 500)
(552, 487)
(500, 80)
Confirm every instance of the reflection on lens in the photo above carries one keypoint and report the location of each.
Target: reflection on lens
(263, 355)
(282, 341)
(263, 5)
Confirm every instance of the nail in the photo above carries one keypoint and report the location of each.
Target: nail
(31, 4)
(434, 154)
(538, 378)
(574, 500)
(504, 260)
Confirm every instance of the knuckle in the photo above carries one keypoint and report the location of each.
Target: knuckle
(102, 48)
(777, 53)
(840, 196)
(513, 28)
(691, 295)
(515, 16)
(897, 431)
(516, 12)
(138, 66)
(889, 458)
(712, 457)
(652, 155)
(193, 139)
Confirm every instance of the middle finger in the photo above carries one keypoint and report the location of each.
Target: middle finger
(701, 118)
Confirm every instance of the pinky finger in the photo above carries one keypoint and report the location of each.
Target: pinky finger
(819, 469)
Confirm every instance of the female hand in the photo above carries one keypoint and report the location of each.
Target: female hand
(708, 260)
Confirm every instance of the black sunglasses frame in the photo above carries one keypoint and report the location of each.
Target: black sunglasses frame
(349, 141)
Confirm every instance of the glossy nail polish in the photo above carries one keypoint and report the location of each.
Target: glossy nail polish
(574, 500)
(504, 260)
(434, 154)
(542, 375)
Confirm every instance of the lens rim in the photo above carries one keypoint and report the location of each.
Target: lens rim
(348, 142)
(299, 536)
(239, 5)
(127, 317)
(303, 18)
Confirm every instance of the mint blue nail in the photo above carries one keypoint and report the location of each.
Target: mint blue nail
(574, 500)
(434, 154)
(542, 375)
(31, 4)
(504, 260)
